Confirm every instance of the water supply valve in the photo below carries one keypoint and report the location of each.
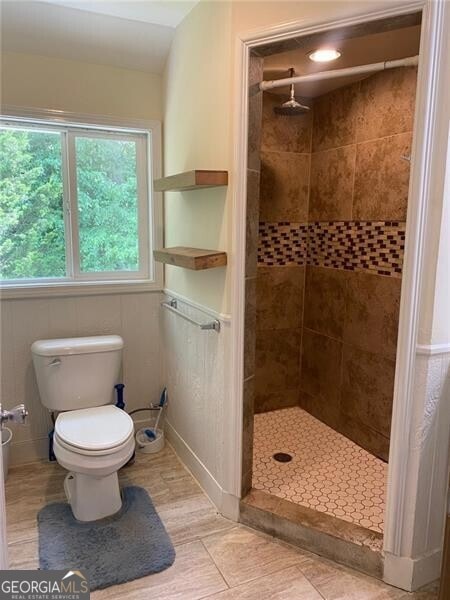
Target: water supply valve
(18, 414)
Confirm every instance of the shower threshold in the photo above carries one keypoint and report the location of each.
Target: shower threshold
(328, 499)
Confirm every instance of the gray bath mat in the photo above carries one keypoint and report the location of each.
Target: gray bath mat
(131, 544)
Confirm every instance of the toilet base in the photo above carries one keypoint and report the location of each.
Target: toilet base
(92, 498)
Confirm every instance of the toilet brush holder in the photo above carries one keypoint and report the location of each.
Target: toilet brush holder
(149, 444)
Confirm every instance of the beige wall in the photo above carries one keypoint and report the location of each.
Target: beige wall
(73, 86)
(49, 83)
(198, 125)
(197, 135)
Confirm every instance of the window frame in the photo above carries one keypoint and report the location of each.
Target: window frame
(147, 135)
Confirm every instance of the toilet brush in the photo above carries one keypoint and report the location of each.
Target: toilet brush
(152, 433)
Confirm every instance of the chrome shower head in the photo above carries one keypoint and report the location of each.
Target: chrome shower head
(291, 107)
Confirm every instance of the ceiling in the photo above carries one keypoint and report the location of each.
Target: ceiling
(372, 48)
(128, 34)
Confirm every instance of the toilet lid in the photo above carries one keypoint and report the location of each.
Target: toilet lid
(98, 428)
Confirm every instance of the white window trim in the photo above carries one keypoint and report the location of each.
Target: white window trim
(101, 284)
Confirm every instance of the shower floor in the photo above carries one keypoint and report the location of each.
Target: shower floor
(328, 472)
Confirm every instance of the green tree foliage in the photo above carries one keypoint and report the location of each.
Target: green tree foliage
(31, 205)
(32, 240)
(107, 207)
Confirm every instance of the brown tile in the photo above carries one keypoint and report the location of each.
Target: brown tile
(277, 358)
(382, 179)
(24, 555)
(321, 407)
(320, 373)
(335, 118)
(246, 482)
(284, 186)
(192, 576)
(190, 519)
(371, 316)
(339, 583)
(288, 134)
(357, 548)
(368, 388)
(288, 583)
(267, 401)
(325, 300)
(279, 297)
(247, 433)
(332, 184)
(244, 555)
(249, 327)
(372, 441)
(262, 500)
(255, 97)
(331, 525)
(252, 225)
(388, 100)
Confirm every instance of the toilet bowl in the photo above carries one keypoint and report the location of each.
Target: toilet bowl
(93, 438)
(92, 444)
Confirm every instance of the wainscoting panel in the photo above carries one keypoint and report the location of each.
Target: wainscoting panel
(134, 316)
(195, 368)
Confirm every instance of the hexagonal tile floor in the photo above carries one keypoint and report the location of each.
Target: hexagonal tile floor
(328, 472)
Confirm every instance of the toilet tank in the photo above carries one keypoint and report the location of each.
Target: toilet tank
(75, 373)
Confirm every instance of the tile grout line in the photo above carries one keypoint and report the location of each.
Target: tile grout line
(214, 562)
(310, 582)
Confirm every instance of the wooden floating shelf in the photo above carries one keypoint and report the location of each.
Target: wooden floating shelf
(191, 258)
(191, 180)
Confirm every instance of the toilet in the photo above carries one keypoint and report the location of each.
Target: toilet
(92, 437)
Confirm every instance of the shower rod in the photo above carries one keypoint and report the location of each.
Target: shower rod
(411, 61)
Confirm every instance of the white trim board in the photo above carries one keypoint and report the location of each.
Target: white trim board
(409, 573)
(433, 349)
(227, 504)
(429, 119)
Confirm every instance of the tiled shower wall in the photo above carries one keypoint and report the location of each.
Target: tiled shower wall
(333, 202)
(285, 167)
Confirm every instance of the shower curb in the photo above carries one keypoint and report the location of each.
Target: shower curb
(332, 538)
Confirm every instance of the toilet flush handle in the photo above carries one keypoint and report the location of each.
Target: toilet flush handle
(55, 362)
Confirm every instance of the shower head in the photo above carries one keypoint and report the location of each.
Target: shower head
(291, 107)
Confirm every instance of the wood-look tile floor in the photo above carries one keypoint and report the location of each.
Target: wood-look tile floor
(215, 558)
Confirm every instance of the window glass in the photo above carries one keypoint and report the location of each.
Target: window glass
(107, 204)
(31, 205)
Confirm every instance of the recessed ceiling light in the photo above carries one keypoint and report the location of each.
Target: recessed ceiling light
(324, 55)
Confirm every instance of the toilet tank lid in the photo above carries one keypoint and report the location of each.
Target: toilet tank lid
(78, 345)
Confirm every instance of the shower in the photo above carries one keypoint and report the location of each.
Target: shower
(291, 107)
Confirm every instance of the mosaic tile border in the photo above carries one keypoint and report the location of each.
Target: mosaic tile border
(374, 246)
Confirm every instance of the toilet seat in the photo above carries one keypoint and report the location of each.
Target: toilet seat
(97, 431)
(92, 453)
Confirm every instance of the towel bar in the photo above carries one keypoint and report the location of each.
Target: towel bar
(172, 305)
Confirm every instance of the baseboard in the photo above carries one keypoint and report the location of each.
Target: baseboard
(28, 451)
(412, 573)
(227, 504)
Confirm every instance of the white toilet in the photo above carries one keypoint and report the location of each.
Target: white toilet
(92, 438)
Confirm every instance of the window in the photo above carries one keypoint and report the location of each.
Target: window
(75, 204)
